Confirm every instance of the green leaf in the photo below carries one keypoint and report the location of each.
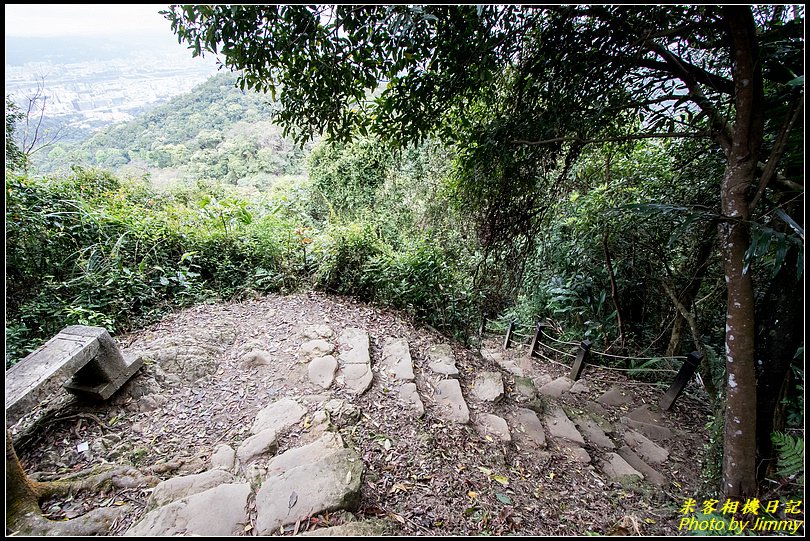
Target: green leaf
(501, 479)
(503, 498)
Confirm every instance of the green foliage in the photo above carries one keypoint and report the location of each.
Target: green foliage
(15, 157)
(790, 450)
(342, 254)
(93, 249)
(348, 175)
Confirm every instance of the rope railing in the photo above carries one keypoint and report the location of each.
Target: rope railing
(559, 341)
(683, 376)
(567, 354)
(603, 354)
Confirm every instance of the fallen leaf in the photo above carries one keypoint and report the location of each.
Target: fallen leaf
(248, 527)
(472, 494)
(501, 479)
(487, 471)
(503, 498)
(397, 518)
(398, 487)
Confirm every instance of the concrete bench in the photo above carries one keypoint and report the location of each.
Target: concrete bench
(84, 360)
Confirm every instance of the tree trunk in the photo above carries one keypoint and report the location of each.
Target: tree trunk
(739, 448)
(22, 496)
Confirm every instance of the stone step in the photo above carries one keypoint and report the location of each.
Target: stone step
(617, 469)
(322, 370)
(492, 425)
(561, 427)
(594, 433)
(648, 422)
(557, 387)
(396, 359)
(218, 511)
(650, 474)
(488, 386)
(279, 416)
(328, 484)
(527, 429)
(409, 396)
(354, 373)
(442, 360)
(651, 452)
(450, 402)
(614, 396)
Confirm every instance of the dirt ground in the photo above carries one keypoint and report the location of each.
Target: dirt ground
(427, 476)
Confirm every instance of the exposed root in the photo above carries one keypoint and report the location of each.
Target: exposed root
(104, 478)
(27, 518)
(96, 522)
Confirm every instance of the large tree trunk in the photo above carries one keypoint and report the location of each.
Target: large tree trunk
(739, 449)
(22, 495)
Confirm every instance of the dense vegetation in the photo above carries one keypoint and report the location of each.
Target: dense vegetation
(493, 173)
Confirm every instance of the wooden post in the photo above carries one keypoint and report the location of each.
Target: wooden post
(508, 340)
(684, 375)
(579, 362)
(541, 327)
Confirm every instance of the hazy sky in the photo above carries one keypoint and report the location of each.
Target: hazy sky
(51, 20)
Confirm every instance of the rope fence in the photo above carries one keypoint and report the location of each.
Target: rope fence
(682, 377)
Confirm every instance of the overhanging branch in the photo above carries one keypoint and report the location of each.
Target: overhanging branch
(632, 137)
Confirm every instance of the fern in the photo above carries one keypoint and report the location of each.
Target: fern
(791, 455)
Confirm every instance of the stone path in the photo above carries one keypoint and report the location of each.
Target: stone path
(515, 403)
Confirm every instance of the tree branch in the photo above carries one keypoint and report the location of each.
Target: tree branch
(630, 137)
(778, 151)
(723, 132)
(721, 84)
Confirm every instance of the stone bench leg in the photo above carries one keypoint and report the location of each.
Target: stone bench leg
(107, 371)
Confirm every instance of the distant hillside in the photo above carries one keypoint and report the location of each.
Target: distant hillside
(215, 132)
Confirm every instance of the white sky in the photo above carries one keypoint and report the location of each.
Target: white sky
(51, 20)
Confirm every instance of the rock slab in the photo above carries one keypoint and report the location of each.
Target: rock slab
(297, 493)
(442, 360)
(219, 511)
(409, 395)
(397, 361)
(617, 469)
(493, 425)
(530, 429)
(556, 388)
(355, 361)
(450, 401)
(280, 415)
(561, 427)
(488, 386)
(322, 371)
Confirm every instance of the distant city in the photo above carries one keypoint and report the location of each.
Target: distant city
(93, 93)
